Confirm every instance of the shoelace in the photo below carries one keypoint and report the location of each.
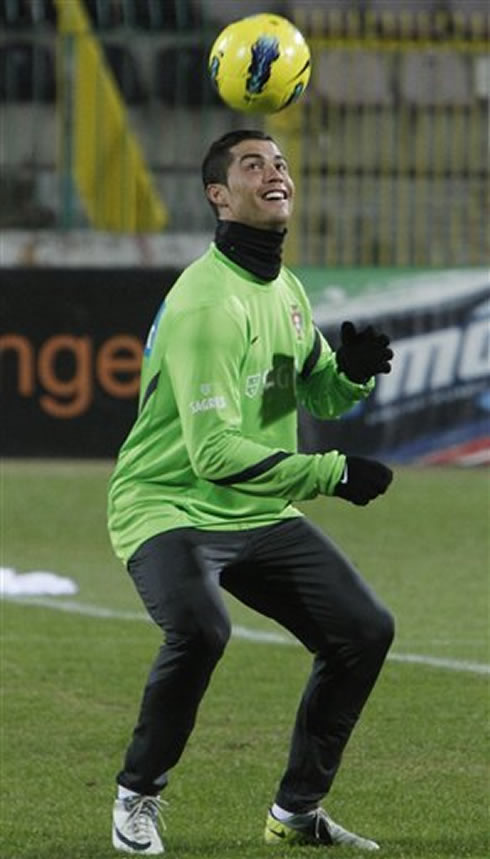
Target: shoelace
(144, 814)
(337, 834)
(321, 817)
(321, 825)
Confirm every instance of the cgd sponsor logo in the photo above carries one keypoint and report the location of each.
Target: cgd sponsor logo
(69, 368)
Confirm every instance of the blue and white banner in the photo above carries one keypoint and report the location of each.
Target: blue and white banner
(434, 406)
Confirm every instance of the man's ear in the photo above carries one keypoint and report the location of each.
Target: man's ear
(217, 194)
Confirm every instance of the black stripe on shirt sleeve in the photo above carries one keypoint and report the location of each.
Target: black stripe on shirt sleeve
(253, 470)
(152, 386)
(312, 358)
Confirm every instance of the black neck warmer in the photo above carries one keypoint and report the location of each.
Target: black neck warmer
(257, 251)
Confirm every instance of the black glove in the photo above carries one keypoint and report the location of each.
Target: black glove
(364, 353)
(363, 480)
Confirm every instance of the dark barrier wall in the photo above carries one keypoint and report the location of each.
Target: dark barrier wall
(71, 344)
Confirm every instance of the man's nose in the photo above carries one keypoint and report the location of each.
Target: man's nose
(272, 172)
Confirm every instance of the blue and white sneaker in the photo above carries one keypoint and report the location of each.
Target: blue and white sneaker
(316, 829)
(135, 825)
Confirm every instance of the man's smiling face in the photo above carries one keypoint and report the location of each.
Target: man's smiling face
(259, 190)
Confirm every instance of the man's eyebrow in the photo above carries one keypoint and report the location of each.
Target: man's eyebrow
(259, 155)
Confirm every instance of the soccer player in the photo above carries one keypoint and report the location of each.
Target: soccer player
(202, 495)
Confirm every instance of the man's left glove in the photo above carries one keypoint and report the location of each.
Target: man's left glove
(363, 353)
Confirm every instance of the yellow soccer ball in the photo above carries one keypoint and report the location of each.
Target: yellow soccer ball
(260, 64)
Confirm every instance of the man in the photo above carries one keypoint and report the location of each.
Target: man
(201, 495)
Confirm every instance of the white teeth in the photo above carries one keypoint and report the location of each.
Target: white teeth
(275, 195)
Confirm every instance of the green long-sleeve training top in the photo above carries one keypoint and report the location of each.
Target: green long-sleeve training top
(214, 446)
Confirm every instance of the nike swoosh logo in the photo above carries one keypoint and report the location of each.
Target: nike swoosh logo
(135, 845)
(280, 834)
(254, 340)
(345, 476)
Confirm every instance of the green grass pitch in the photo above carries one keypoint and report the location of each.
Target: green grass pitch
(415, 775)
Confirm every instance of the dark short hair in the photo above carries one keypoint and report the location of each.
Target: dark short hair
(218, 157)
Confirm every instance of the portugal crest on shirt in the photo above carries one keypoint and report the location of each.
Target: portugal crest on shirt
(297, 320)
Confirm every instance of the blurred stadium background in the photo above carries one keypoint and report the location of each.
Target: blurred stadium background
(105, 113)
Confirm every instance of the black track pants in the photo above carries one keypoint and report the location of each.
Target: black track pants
(290, 572)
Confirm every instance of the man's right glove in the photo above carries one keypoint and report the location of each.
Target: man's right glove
(363, 480)
(363, 353)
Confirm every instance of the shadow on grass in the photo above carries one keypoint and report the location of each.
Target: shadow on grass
(476, 847)
(175, 848)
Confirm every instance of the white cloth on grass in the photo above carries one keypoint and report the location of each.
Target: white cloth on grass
(34, 583)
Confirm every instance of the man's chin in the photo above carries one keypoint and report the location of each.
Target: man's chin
(270, 221)
(280, 225)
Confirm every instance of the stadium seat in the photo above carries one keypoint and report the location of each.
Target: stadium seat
(325, 7)
(403, 6)
(180, 77)
(170, 139)
(481, 76)
(27, 72)
(435, 79)
(20, 206)
(173, 15)
(26, 14)
(352, 77)
(126, 72)
(106, 15)
(149, 15)
(224, 12)
(471, 18)
(28, 134)
(469, 7)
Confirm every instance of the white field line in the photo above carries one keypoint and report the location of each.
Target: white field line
(243, 632)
